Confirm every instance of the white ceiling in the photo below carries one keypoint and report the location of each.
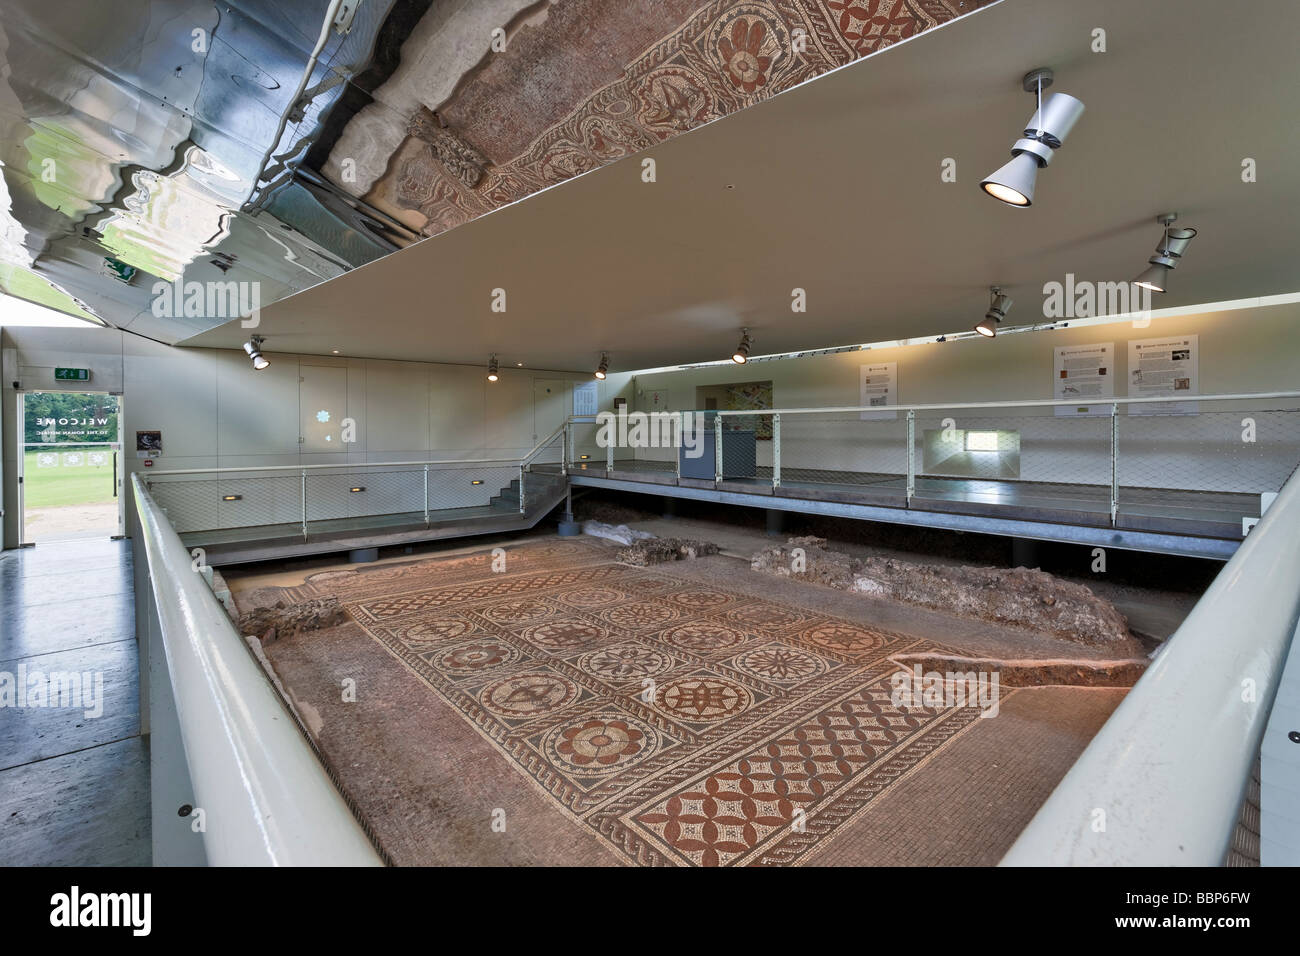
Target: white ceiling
(834, 187)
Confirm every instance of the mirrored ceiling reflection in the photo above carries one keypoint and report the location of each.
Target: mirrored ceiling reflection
(162, 141)
(270, 145)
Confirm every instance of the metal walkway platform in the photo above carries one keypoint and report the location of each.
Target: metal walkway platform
(1165, 521)
(243, 545)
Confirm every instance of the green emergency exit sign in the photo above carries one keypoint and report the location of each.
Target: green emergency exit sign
(72, 374)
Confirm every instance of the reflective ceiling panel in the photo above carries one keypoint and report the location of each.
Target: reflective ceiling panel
(148, 145)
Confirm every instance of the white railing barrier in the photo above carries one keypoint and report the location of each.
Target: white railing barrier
(793, 451)
(267, 800)
(1162, 782)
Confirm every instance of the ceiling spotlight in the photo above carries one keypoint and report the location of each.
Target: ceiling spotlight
(1044, 134)
(1172, 246)
(603, 367)
(493, 374)
(741, 355)
(254, 349)
(999, 306)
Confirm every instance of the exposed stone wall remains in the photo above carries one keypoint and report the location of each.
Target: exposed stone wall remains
(1018, 597)
(287, 620)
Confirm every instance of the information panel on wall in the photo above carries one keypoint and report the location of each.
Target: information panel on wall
(1083, 373)
(878, 386)
(585, 399)
(1163, 367)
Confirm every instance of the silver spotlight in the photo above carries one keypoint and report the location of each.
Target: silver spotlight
(999, 306)
(1172, 246)
(1013, 184)
(254, 349)
(493, 373)
(603, 367)
(741, 355)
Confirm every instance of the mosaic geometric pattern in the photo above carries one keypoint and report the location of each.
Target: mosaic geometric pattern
(684, 724)
(723, 56)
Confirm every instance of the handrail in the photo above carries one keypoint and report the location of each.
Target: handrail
(1024, 403)
(345, 464)
(1162, 782)
(267, 799)
(542, 444)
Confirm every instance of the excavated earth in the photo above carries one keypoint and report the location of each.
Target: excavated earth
(1017, 597)
(662, 550)
(282, 619)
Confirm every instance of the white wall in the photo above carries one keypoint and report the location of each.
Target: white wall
(1255, 350)
(215, 411)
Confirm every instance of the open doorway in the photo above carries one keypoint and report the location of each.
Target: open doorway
(70, 471)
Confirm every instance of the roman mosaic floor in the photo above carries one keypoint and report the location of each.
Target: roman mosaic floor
(566, 708)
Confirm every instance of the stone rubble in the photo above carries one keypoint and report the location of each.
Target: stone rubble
(279, 620)
(661, 550)
(1018, 597)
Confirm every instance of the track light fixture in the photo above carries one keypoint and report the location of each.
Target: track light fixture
(999, 306)
(493, 373)
(1172, 246)
(741, 355)
(603, 367)
(1013, 184)
(254, 349)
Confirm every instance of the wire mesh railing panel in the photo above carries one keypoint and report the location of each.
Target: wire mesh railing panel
(550, 452)
(1041, 448)
(1243, 451)
(840, 448)
(541, 475)
(361, 493)
(746, 446)
(239, 500)
(585, 450)
(471, 487)
(644, 441)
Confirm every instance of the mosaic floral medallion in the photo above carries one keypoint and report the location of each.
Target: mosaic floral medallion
(640, 615)
(526, 611)
(780, 664)
(592, 597)
(473, 656)
(700, 600)
(564, 635)
(703, 698)
(423, 635)
(600, 744)
(844, 638)
(528, 695)
(704, 637)
(625, 662)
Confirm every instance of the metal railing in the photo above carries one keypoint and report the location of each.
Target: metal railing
(307, 498)
(1115, 451)
(266, 797)
(1162, 782)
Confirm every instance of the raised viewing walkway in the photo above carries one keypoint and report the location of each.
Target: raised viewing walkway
(1187, 478)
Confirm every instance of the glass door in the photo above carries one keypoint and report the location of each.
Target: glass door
(70, 471)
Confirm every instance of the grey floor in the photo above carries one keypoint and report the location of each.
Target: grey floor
(1212, 514)
(74, 789)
